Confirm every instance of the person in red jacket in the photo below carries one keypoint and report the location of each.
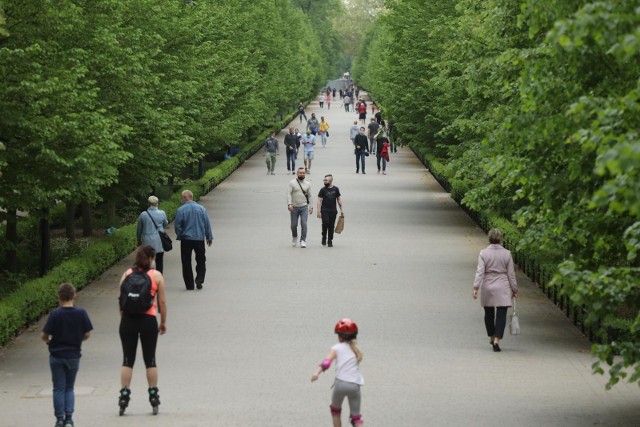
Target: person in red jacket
(362, 111)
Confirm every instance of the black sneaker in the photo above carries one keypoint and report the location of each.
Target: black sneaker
(198, 285)
(324, 241)
(330, 243)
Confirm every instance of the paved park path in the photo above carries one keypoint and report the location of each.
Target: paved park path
(241, 351)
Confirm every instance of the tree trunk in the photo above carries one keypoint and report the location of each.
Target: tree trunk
(87, 226)
(12, 240)
(69, 220)
(200, 168)
(45, 243)
(111, 213)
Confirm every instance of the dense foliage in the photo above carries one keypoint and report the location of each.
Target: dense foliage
(535, 110)
(103, 100)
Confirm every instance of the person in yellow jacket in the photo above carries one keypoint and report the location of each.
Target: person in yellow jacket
(323, 128)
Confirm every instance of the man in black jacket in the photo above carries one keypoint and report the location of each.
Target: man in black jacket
(361, 143)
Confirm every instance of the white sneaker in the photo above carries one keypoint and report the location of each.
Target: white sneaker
(294, 241)
(303, 244)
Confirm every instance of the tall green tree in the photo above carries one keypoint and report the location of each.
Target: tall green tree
(103, 101)
(321, 14)
(59, 142)
(534, 110)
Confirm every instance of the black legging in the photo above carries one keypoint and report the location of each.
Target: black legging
(495, 322)
(132, 327)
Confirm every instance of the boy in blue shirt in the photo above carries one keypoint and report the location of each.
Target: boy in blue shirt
(66, 328)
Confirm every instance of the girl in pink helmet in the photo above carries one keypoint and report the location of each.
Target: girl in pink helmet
(348, 377)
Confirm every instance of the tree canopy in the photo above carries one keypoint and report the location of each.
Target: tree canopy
(101, 101)
(127, 93)
(534, 109)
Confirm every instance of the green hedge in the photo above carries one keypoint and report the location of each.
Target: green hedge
(37, 297)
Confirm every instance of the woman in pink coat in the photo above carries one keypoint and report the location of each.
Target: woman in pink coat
(496, 278)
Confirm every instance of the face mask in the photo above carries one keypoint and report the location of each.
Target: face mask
(327, 184)
(300, 178)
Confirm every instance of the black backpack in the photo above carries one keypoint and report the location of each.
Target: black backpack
(135, 292)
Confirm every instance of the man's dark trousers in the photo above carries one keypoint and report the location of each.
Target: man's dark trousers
(186, 247)
(328, 224)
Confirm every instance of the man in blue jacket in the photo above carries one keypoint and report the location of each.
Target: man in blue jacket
(193, 227)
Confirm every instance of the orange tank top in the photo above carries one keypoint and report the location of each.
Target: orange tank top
(154, 290)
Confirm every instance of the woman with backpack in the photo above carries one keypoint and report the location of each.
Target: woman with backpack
(142, 295)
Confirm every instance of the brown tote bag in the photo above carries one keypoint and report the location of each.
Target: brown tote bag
(340, 224)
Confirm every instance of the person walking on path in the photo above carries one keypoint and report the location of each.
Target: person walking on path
(392, 139)
(346, 100)
(361, 144)
(193, 227)
(144, 325)
(66, 328)
(323, 127)
(496, 279)
(321, 100)
(298, 142)
(354, 131)
(382, 150)
(300, 207)
(329, 102)
(291, 144)
(348, 380)
(149, 223)
(372, 129)
(301, 113)
(328, 197)
(313, 124)
(362, 111)
(272, 150)
(308, 141)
